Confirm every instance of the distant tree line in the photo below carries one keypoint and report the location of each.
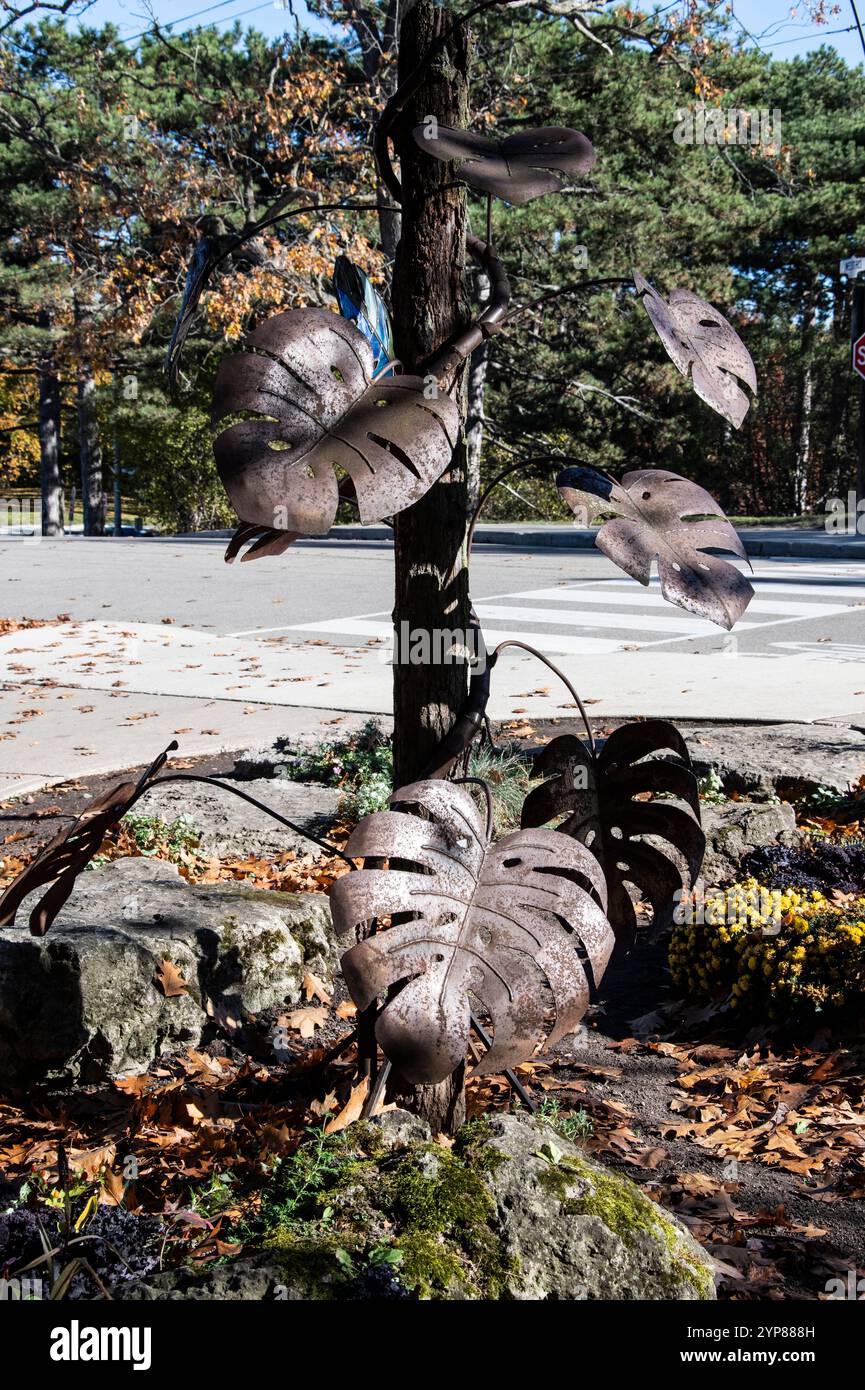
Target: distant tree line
(116, 163)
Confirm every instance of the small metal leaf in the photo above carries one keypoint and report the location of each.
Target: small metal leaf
(516, 169)
(259, 541)
(61, 861)
(703, 345)
(660, 516)
(360, 302)
(309, 380)
(486, 920)
(594, 799)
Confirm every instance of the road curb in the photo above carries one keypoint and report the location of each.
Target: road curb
(817, 546)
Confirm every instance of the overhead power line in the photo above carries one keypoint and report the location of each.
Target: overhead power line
(169, 27)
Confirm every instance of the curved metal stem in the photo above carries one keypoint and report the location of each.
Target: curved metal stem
(259, 805)
(562, 677)
(445, 362)
(479, 782)
(490, 488)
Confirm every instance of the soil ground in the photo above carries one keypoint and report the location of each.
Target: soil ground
(778, 1229)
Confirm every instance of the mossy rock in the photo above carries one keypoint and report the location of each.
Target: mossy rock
(512, 1211)
(576, 1230)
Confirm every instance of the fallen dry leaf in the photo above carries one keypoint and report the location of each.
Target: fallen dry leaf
(169, 980)
(305, 1021)
(351, 1110)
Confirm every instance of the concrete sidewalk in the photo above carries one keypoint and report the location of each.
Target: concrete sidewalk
(767, 541)
(94, 697)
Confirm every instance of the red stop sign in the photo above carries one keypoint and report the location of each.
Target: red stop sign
(859, 356)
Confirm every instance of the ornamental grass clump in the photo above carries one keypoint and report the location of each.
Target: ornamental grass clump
(779, 953)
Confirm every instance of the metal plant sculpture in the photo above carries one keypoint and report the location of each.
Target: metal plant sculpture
(495, 921)
(653, 515)
(703, 345)
(517, 169)
(61, 861)
(519, 926)
(620, 803)
(309, 378)
(470, 919)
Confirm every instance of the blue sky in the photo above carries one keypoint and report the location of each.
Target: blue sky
(779, 26)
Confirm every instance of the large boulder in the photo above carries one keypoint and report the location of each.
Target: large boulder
(786, 760)
(739, 827)
(513, 1211)
(82, 1000)
(227, 826)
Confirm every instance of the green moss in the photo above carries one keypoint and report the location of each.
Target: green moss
(443, 1211)
(439, 1194)
(228, 935)
(311, 1261)
(429, 1265)
(473, 1146)
(629, 1214)
(350, 1192)
(622, 1208)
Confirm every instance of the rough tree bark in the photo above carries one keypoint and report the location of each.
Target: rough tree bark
(430, 303)
(90, 450)
(50, 482)
(802, 463)
(475, 417)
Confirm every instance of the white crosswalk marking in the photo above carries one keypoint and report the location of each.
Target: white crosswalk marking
(671, 621)
(653, 598)
(568, 619)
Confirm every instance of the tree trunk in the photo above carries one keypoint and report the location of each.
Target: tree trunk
(802, 464)
(90, 450)
(50, 482)
(475, 413)
(430, 303)
(803, 449)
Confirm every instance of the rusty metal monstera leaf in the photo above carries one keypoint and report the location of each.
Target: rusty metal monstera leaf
(308, 380)
(60, 862)
(703, 346)
(516, 169)
(656, 515)
(505, 923)
(609, 801)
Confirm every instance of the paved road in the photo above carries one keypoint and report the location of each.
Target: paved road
(311, 631)
(575, 603)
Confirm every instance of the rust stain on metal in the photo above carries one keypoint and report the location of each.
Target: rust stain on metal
(516, 169)
(704, 346)
(600, 799)
(484, 921)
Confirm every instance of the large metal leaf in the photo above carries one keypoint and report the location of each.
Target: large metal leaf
(660, 516)
(308, 379)
(703, 345)
(59, 863)
(609, 802)
(501, 922)
(517, 169)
